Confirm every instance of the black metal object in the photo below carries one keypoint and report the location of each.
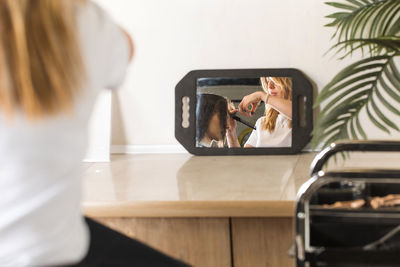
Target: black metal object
(187, 88)
(244, 122)
(344, 236)
(364, 146)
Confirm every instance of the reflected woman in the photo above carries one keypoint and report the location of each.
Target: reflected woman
(275, 128)
(211, 120)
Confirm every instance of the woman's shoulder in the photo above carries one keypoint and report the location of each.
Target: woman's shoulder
(105, 48)
(282, 120)
(92, 14)
(283, 117)
(260, 120)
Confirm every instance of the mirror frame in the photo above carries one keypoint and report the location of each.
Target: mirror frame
(187, 87)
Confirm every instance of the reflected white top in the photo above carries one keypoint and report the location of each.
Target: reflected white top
(280, 137)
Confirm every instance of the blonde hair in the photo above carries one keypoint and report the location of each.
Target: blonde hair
(41, 69)
(271, 114)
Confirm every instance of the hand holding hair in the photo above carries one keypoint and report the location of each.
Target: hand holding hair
(231, 121)
(250, 103)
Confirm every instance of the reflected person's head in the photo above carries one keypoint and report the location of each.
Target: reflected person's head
(211, 118)
(280, 87)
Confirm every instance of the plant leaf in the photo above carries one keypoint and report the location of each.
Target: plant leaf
(355, 88)
(360, 129)
(361, 25)
(382, 117)
(386, 103)
(354, 69)
(374, 121)
(390, 43)
(388, 90)
(365, 19)
(342, 6)
(352, 129)
(354, 2)
(392, 79)
(336, 101)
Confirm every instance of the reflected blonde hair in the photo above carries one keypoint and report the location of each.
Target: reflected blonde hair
(271, 114)
(41, 69)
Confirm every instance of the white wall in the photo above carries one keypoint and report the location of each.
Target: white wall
(176, 36)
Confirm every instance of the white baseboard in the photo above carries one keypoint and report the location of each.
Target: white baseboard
(147, 149)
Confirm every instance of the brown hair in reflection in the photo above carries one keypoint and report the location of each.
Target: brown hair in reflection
(211, 120)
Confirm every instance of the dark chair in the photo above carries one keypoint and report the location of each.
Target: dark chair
(346, 218)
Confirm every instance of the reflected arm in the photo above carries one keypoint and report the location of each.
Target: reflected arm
(284, 106)
(232, 139)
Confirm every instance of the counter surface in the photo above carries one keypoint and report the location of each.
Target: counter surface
(182, 185)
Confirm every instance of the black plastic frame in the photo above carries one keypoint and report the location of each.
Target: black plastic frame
(188, 87)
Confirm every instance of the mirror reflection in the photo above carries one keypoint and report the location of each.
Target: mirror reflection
(244, 112)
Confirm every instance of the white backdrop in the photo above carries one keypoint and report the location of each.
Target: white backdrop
(176, 36)
(100, 129)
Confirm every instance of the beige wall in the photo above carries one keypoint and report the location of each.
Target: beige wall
(176, 36)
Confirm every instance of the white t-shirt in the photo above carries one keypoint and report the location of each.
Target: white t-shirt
(40, 163)
(280, 137)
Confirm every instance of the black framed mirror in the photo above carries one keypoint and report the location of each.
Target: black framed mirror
(244, 111)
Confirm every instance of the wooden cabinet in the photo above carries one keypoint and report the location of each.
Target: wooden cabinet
(262, 242)
(214, 242)
(198, 241)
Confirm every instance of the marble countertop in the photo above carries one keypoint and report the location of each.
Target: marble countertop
(182, 185)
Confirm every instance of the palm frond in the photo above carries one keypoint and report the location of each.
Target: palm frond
(365, 19)
(361, 20)
(370, 86)
(365, 86)
(378, 46)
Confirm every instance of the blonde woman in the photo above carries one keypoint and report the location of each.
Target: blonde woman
(275, 128)
(55, 56)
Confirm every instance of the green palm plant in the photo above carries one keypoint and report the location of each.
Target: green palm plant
(371, 27)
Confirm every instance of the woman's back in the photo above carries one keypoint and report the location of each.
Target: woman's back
(40, 160)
